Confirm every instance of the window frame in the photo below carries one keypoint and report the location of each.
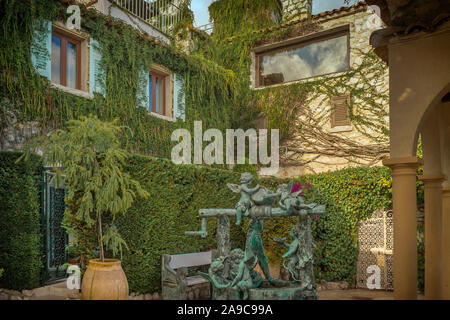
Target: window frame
(63, 60)
(163, 76)
(299, 44)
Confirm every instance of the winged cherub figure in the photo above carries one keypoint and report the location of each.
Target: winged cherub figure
(244, 189)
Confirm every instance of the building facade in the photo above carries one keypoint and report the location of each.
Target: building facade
(341, 117)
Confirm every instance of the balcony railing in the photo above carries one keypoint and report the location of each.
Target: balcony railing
(161, 14)
(208, 28)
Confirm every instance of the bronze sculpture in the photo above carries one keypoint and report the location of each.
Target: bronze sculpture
(238, 279)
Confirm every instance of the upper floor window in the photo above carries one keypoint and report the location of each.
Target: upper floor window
(157, 93)
(320, 56)
(66, 61)
(160, 91)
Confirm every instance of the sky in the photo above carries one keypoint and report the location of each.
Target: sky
(200, 8)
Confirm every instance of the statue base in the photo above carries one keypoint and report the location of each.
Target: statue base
(292, 292)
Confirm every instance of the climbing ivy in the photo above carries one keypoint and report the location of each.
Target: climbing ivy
(208, 87)
(301, 109)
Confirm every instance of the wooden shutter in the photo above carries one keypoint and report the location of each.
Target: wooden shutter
(340, 111)
(41, 49)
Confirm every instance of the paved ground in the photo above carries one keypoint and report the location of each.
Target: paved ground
(358, 294)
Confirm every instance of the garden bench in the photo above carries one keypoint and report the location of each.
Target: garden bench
(174, 269)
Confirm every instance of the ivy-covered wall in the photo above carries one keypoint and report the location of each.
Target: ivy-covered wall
(302, 109)
(125, 53)
(20, 233)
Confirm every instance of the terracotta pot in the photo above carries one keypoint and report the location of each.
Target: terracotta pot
(104, 281)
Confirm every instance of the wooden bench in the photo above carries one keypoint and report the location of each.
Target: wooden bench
(174, 268)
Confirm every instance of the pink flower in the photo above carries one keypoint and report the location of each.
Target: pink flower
(296, 187)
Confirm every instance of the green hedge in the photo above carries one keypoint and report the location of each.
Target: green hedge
(156, 226)
(350, 195)
(20, 239)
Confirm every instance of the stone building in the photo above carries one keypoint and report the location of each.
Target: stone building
(344, 117)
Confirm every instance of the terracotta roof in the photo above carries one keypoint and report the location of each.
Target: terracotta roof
(318, 16)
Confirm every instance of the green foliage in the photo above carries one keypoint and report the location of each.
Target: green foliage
(208, 87)
(156, 226)
(20, 246)
(89, 156)
(350, 195)
(232, 17)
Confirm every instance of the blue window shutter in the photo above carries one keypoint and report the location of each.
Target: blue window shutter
(97, 80)
(149, 92)
(178, 97)
(41, 49)
(144, 79)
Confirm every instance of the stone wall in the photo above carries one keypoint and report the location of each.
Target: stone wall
(296, 9)
(361, 24)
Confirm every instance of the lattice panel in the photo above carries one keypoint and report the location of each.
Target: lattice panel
(375, 240)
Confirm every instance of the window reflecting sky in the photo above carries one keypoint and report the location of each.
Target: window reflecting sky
(56, 59)
(71, 65)
(314, 59)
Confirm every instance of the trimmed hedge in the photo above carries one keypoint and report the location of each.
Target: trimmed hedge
(350, 195)
(156, 226)
(20, 239)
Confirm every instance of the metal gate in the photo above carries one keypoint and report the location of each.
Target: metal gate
(375, 242)
(55, 238)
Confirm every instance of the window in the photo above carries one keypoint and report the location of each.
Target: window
(159, 92)
(320, 56)
(339, 111)
(66, 61)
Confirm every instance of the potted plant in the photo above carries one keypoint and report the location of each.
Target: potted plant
(87, 155)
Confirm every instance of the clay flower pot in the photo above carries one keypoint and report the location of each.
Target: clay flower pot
(104, 281)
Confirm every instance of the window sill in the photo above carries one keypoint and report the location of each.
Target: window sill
(76, 92)
(340, 129)
(160, 116)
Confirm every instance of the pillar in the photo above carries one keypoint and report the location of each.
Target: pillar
(432, 179)
(404, 171)
(446, 242)
(433, 235)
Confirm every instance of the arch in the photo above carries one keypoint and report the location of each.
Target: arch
(434, 104)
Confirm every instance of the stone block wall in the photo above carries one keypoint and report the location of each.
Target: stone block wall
(296, 9)
(360, 25)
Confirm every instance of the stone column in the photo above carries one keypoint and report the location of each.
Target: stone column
(433, 235)
(404, 199)
(446, 243)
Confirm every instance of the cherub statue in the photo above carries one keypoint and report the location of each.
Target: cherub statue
(244, 279)
(290, 201)
(244, 189)
(217, 278)
(292, 254)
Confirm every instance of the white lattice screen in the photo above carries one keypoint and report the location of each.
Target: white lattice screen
(375, 239)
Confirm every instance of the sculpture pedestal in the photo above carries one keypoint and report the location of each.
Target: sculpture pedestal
(266, 292)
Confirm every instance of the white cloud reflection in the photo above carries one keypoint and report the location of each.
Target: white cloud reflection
(311, 60)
